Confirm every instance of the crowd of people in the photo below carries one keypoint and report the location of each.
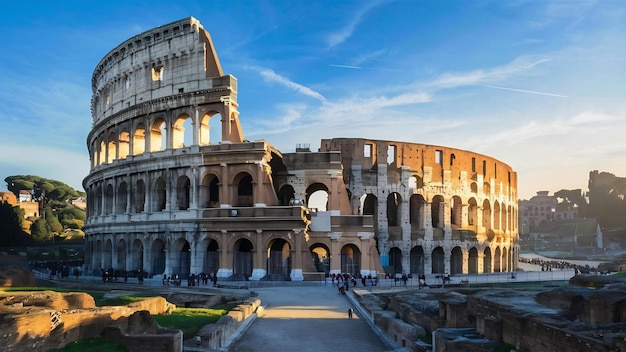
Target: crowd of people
(192, 280)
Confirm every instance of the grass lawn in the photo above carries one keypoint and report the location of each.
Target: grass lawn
(190, 320)
(96, 344)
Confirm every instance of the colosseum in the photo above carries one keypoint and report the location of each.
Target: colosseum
(175, 188)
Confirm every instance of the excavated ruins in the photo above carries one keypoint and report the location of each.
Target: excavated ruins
(590, 317)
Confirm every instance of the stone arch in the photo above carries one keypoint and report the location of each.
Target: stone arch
(456, 212)
(456, 261)
(505, 259)
(120, 251)
(124, 144)
(438, 261)
(474, 187)
(138, 197)
(98, 200)
(159, 254)
(487, 219)
(317, 196)
(416, 208)
(472, 212)
(394, 209)
(487, 261)
(111, 147)
(97, 255)
(159, 199)
(122, 198)
(286, 195)
(417, 260)
(158, 135)
(395, 261)
(210, 191)
(436, 216)
(278, 264)
(108, 254)
(211, 260)
(181, 132)
(137, 256)
(242, 259)
(321, 257)
(244, 183)
(183, 192)
(350, 259)
(497, 260)
(108, 200)
(180, 258)
(472, 261)
(496, 215)
(416, 182)
(102, 153)
(210, 131)
(139, 140)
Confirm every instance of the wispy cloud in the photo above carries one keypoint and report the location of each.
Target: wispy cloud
(525, 91)
(345, 66)
(344, 33)
(272, 76)
(517, 66)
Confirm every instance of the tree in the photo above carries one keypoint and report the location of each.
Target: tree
(11, 233)
(39, 231)
(42, 189)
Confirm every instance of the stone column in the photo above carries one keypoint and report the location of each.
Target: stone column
(296, 264)
(335, 252)
(428, 222)
(259, 258)
(224, 187)
(226, 257)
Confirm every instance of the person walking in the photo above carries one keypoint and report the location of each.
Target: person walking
(350, 312)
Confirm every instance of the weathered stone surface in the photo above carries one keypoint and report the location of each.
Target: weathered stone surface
(12, 275)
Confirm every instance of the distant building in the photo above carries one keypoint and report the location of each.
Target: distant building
(541, 209)
(8, 197)
(25, 196)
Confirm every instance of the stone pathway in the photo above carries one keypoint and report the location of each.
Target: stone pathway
(307, 318)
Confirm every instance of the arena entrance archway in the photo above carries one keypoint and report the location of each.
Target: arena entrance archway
(350, 260)
(278, 260)
(242, 259)
(321, 258)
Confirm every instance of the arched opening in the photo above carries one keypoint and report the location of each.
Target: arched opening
(245, 196)
(416, 208)
(108, 200)
(158, 135)
(317, 196)
(209, 192)
(438, 261)
(497, 259)
(456, 261)
(286, 195)
(506, 259)
(111, 148)
(417, 260)
(182, 132)
(496, 215)
(394, 211)
(210, 128)
(436, 215)
(183, 192)
(456, 212)
(120, 250)
(487, 261)
(139, 140)
(472, 213)
(321, 258)
(472, 261)
(158, 254)
(487, 220)
(124, 144)
(137, 256)
(139, 196)
(395, 261)
(108, 254)
(102, 153)
(160, 197)
(211, 262)
(350, 259)
(278, 260)
(122, 198)
(242, 259)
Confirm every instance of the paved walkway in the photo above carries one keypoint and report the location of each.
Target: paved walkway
(307, 318)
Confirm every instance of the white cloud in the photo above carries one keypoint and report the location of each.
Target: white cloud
(345, 32)
(272, 76)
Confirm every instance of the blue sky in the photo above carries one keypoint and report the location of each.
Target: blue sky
(539, 85)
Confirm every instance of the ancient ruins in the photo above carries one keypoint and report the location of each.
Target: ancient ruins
(164, 198)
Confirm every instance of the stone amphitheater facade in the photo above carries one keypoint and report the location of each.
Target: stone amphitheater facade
(174, 188)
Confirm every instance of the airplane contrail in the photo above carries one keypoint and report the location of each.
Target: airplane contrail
(526, 91)
(346, 66)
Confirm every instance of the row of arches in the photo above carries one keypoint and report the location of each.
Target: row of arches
(136, 196)
(155, 134)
